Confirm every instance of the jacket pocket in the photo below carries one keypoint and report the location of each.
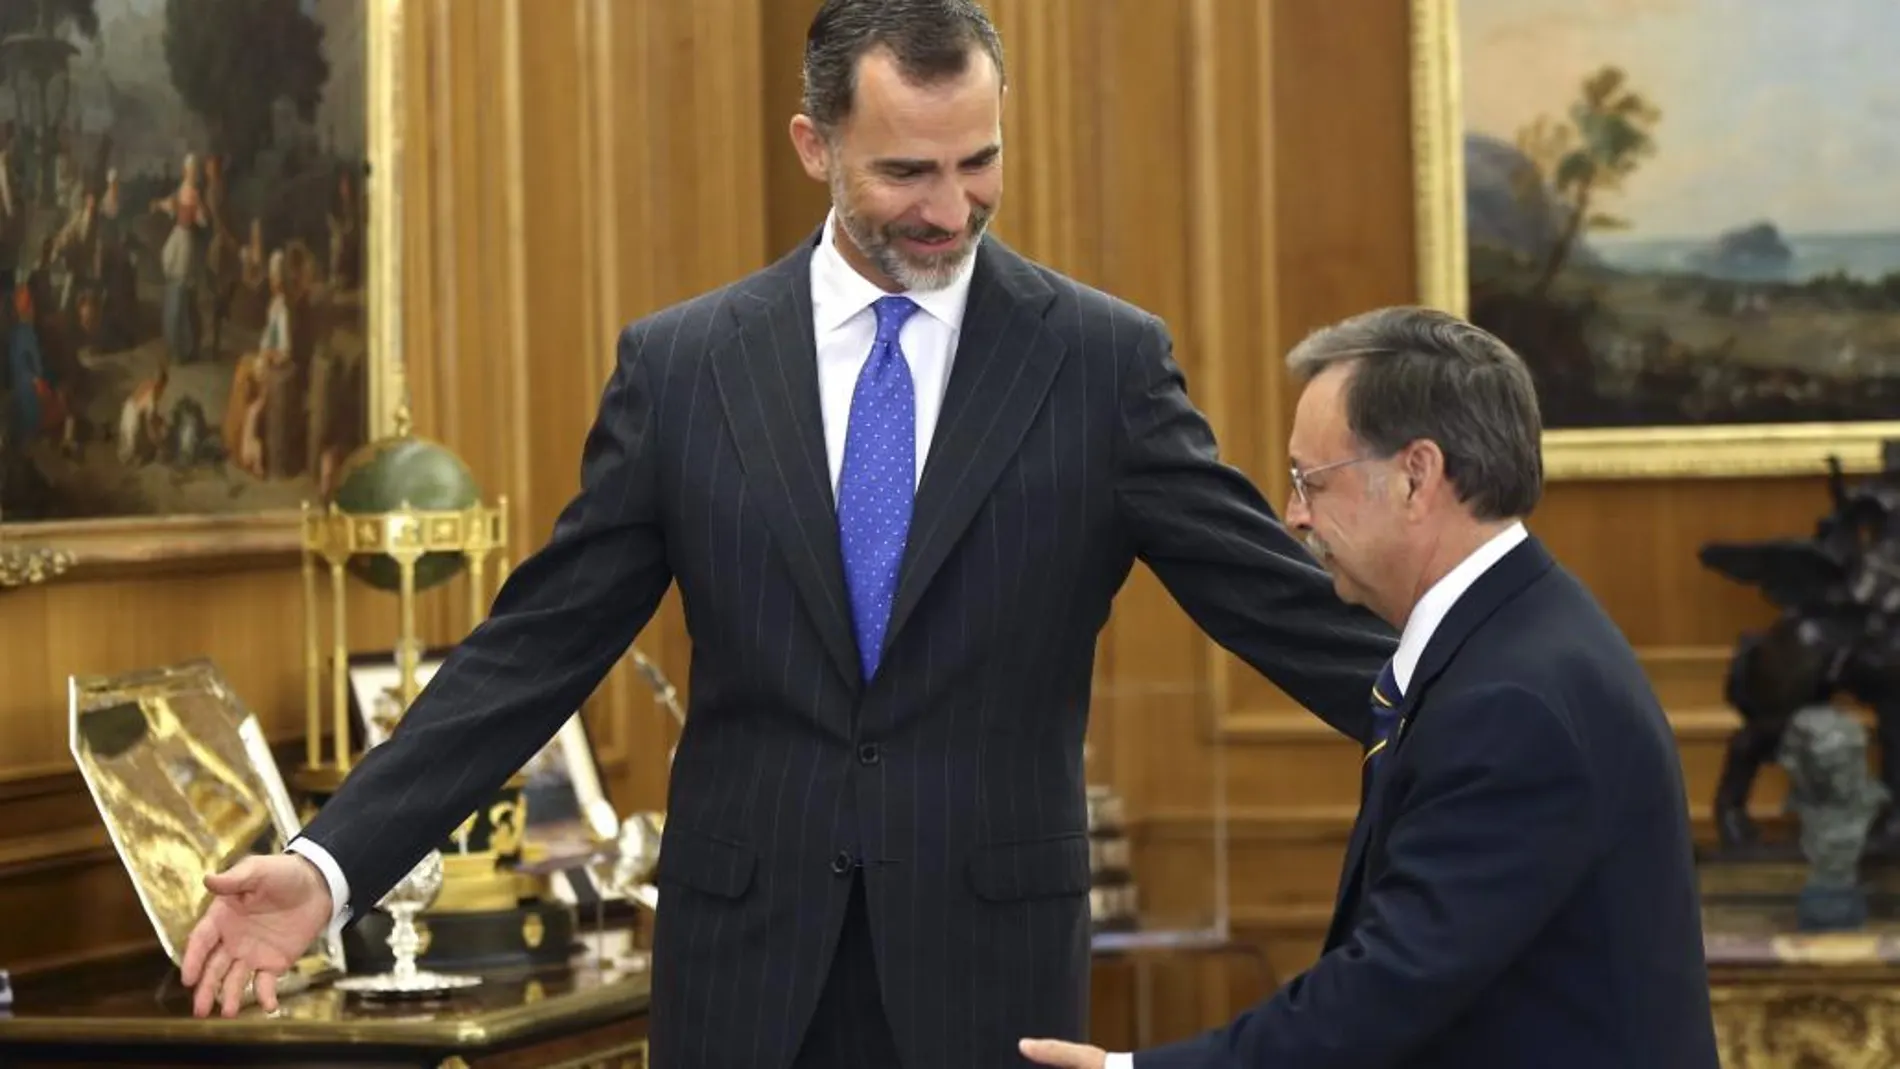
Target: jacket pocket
(1036, 868)
(716, 866)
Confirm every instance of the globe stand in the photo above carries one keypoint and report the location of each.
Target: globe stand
(403, 519)
(423, 546)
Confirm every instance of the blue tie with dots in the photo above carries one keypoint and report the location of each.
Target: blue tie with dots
(1385, 717)
(877, 483)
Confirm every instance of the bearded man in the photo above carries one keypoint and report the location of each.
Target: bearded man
(899, 477)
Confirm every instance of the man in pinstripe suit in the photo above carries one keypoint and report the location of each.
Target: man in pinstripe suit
(899, 477)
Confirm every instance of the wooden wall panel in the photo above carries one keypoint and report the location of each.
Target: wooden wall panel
(1243, 168)
(567, 165)
(1134, 161)
(1239, 167)
(1343, 204)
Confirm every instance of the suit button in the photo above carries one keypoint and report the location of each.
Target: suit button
(841, 864)
(867, 754)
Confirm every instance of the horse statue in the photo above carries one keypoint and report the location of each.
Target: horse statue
(1837, 634)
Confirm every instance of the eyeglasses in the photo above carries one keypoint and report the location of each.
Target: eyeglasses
(1299, 477)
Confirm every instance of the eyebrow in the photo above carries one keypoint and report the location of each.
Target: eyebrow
(982, 156)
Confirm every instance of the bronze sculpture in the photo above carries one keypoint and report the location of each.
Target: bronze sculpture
(1837, 634)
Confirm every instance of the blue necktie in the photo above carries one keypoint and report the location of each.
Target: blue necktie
(1385, 717)
(878, 480)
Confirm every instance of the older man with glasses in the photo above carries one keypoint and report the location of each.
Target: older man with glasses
(1519, 888)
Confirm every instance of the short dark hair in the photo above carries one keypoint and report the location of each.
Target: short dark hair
(1421, 373)
(931, 39)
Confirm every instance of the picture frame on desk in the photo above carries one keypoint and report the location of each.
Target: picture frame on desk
(185, 784)
(1646, 233)
(565, 791)
(200, 268)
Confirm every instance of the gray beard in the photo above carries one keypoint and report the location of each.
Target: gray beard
(932, 273)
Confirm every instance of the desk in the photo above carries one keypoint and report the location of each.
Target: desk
(1786, 999)
(135, 1012)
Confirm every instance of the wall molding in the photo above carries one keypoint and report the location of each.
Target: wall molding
(37, 781)
(53, 850)
(1326, 824)
(1269, 919)
(1687, 681)
(115, 951)
(1713, 724)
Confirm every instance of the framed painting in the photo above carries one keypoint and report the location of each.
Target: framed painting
(1681, 213)
(198, 267)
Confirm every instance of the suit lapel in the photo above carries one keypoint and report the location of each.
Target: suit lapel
(767, 376)
(1498, 585)
(1006, 359)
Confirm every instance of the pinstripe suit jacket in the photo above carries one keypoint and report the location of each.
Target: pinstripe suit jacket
(1067, 449)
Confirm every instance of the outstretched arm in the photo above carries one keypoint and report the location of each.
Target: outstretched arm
(561, 620)
(1492, 837)
(1216, 544)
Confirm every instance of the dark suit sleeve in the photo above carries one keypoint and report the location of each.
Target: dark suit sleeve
(561, 620)
(1493, 834)
(1217, 546)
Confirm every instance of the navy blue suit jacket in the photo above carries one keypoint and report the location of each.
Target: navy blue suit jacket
(1520, 887)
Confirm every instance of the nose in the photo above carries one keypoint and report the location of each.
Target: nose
(948, 208)
(1298, 516)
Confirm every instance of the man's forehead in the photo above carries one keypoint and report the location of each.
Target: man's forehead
(884, 95)
(1319, 427)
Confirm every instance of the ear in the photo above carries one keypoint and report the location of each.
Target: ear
(1424, 465)
(813, 152)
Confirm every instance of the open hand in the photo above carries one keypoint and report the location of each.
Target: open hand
(1063, 1055)
(264, 913)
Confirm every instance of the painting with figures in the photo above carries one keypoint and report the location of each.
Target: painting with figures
(182, 242)
(1684, 212)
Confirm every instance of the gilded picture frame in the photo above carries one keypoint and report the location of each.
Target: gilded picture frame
(1441, 99)
(171, 530)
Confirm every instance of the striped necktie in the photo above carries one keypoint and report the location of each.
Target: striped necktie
(1385, 717)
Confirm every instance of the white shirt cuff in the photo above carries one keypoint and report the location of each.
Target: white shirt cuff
(1119, 1061)
(332, 875)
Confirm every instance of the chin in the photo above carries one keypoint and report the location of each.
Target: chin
(1347, 592)
(934, 273)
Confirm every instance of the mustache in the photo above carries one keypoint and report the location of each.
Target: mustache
(925, 233)
(1317, 547)
(979, 220)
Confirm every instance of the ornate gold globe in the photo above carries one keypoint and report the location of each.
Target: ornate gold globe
(383, 476)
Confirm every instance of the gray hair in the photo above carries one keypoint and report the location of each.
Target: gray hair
(931, 39)
(1418, 373)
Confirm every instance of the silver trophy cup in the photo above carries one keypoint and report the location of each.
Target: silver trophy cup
(411, 895)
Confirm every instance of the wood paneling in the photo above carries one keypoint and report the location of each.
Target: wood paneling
(1243, 169)
(1341, 116)
(1240, 167)
(567, 166)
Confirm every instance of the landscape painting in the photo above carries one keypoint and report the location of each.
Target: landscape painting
(1682, 213)
(182, 246)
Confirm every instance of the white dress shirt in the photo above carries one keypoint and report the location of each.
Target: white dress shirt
(844, 325)
(1431, 609)
(1419, 626)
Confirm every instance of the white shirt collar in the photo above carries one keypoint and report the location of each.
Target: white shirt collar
(839, 292)
(1431, 609)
